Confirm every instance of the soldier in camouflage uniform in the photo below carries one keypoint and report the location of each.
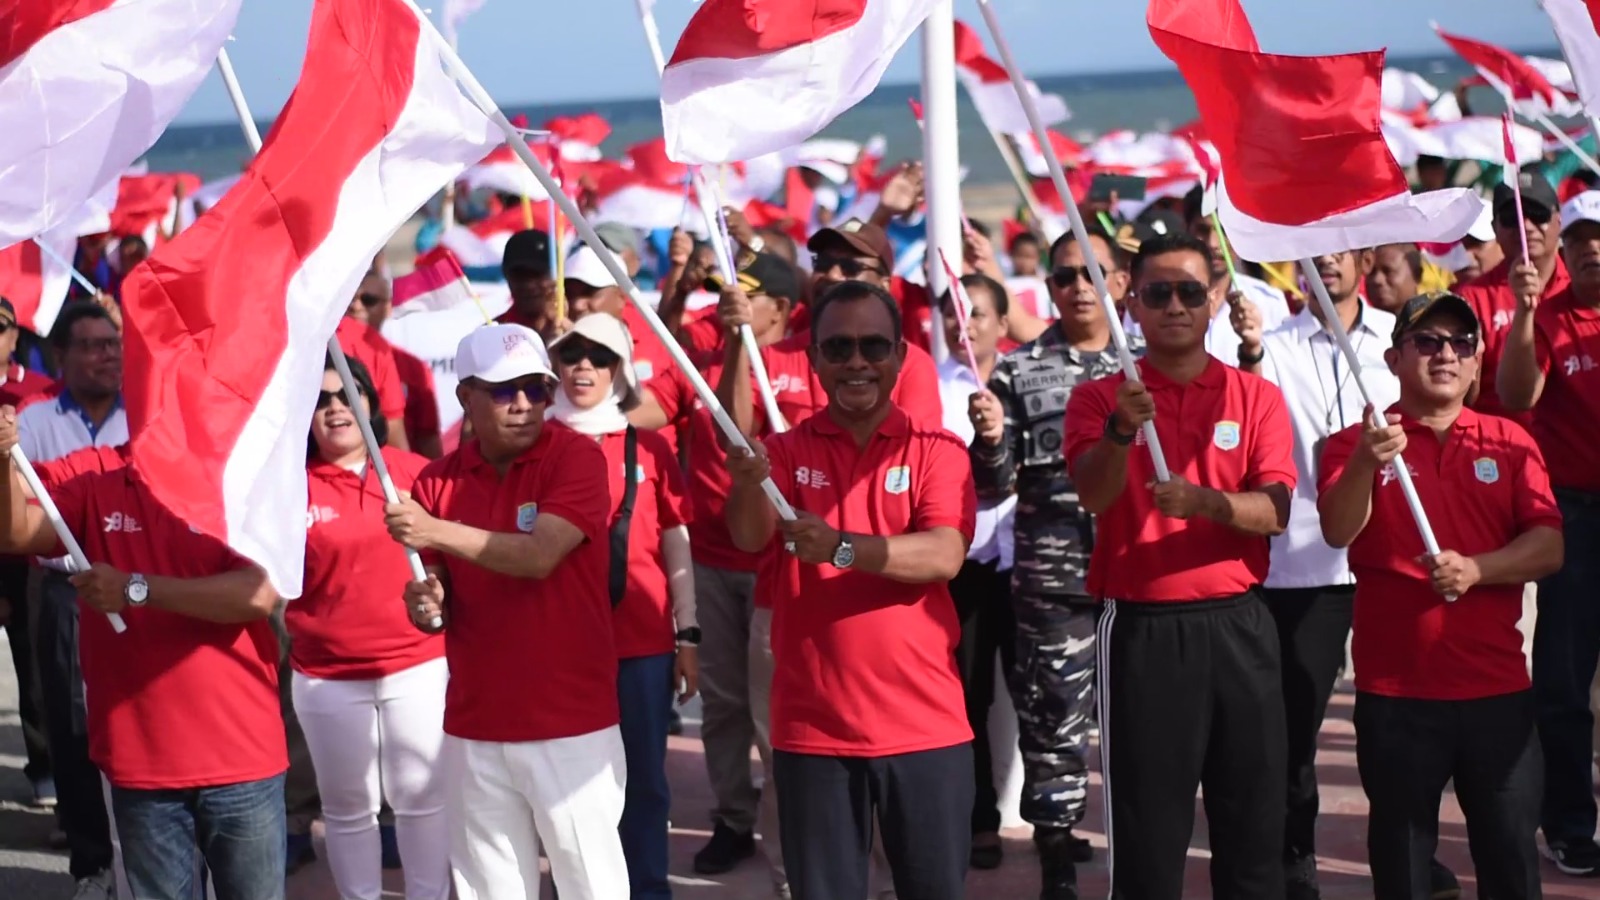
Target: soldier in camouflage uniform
(1018, 449)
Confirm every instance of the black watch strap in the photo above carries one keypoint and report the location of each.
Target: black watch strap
(690, 635)
(1115, 436)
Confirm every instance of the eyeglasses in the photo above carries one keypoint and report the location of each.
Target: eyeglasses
(848, 266)
(1157, 294)
(97, 345)
(572, 352)
(5, 327)
(1067, 276)
(1427, 344)
(369, 300)
(537, 390)
(840, 350)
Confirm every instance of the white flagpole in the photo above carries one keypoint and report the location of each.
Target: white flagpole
(480, 97)
(1401, 473)
(47, 250)
(652, 34)
(1566, 140)
(1157, 458)
(352, 393)
(80, 562)
(941, 159)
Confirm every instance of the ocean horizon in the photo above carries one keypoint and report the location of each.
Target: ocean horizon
(1151, 100)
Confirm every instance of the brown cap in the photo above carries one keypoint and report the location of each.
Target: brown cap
(8, 313)
(865, 237)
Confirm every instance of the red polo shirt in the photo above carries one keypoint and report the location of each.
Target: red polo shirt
(176, 702)
(1482, 487)
(23, 384)
(1567, 344)
(1224, 430)
(530, 659)
(865, 666)
(422, 400)
(351, 623)
(643, 620)
(361, 341)
(1492, 301)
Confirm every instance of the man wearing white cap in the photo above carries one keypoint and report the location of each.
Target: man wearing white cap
(513, 530)
(591, 288)
(1552, 367)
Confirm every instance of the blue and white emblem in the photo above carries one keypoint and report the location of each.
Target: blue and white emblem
(1226, 435)
(526, 514)
(1487, 470)
(897, 480)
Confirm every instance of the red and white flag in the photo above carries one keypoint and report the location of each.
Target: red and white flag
(751, 77)
(86, 87)
(1577, 24)
(989, 86)
(36, 282)
(227, 325)
(1305, 169)
(438, 285)
(1508, 73)
(456, 12)
(1481, 138)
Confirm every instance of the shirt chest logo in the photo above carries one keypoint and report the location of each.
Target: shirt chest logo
(1502, 319)
(1487, 470)
(527, 513)
(122, 522)
(1574, 364)
(315, 514)
(1225, 436)
(809, 477)
(643, 369)
(1388, 473)
(897, 480)
(638, 473)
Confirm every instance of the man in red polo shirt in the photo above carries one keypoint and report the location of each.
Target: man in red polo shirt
(184, 719)
(1491, 296)
(372, 304)
(1551, 365)
(1442, 690)
(868, 716)
(513, 527)
(1190, 689)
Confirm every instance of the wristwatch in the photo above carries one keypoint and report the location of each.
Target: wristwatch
(1116, 436)
(1246, 359)
(757, 244)
(844, 555)
(690, 636)
(137, 593)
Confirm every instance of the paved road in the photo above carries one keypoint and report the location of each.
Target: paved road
(30, 871)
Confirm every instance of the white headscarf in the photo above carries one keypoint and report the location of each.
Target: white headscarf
(604, 417)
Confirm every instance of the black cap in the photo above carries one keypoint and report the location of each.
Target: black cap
(763, 273)
(1157, 221)
(1424, 305)
(1536, 191)
(527, 250)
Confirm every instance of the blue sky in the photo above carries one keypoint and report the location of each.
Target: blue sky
(533, 51)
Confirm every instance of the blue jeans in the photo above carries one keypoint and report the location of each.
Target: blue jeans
(237, 828)
(1566, 645)
(644, 690)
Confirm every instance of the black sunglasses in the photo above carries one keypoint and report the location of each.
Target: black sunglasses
(1506, 215)
(570, 353)
(537, 389)
(1067, 276)
(325, 399)
(848, 266)
(369, 300)
(840, 350)
(1464, 345)
(1157, 294)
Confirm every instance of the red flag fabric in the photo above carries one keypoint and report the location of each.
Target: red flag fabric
(227, 326)
(1506, 70)
(1305, 169)
(992, 93)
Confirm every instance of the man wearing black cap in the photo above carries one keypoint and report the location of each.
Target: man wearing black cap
(526, 266)
(1442, 688)
(1491, 297)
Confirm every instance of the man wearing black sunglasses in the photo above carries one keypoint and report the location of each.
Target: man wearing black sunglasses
(862, 251)
(868, 716)
(1442, 688)
(1190, 694)
(1492, 297)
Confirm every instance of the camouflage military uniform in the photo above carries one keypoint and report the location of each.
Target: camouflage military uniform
(1052, 682)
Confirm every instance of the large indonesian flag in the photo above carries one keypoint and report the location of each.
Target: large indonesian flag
(86, 87)
(1305, 169)
(1577, 24)
(751, 77)
(227, 325)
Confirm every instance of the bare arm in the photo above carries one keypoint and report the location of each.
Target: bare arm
(1101, 474)
(232, 598)
(397, 434)
(1346, 506)
(1531, 555)
(648, 414)
(1519, 380)
(926, 557)
(752, 521)
(733, 388)
(27, 531)
(533, 555)
(1264, 511)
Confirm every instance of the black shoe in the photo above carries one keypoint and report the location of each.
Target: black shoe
(1300, 879)
(298, 853)
(1580, 857)
(726, 849)
(1442, 883)
(1057, 863)
(391, 847)
(986, 851)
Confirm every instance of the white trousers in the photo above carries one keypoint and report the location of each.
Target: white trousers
(507, 798)
(374, 739)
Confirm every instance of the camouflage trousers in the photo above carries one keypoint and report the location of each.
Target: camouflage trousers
(1052, 688)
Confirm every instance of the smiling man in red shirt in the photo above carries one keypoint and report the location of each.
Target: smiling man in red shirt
(868, 716)
(1442, 686)
(1190, 689)
(514, 530)
(1551, 365)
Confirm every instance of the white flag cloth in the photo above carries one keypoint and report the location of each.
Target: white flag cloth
(455, 12)
(1577, 24)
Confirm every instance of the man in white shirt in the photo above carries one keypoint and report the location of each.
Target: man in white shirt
(1309, 588)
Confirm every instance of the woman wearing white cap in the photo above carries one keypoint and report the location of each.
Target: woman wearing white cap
(650, 582)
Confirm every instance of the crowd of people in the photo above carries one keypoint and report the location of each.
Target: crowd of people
(597, 551)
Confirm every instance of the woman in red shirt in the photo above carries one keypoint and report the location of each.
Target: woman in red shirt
(368, 686)
(651, 579)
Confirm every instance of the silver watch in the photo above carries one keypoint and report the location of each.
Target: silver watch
(844, 555)
(137, 593)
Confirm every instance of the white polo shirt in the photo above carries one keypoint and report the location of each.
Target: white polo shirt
(993, 537)
(1304, 361)
(51, 429)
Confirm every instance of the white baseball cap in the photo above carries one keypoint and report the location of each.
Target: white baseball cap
(1483, 227)
(585, 266)
(1585, 207)
(501, 353)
